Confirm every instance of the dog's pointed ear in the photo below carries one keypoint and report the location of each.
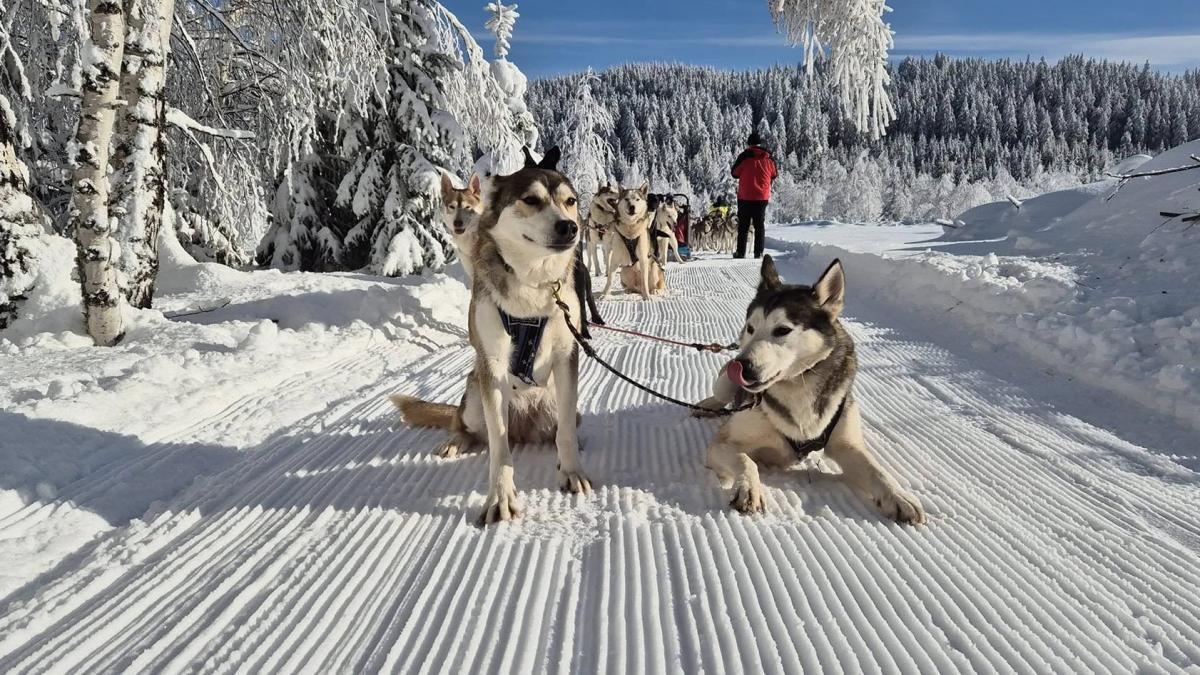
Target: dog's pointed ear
(447, 185)
(474, 186)
(550, 159)
(830, 289)
(770, 280)
(645, 189)
(528, 157)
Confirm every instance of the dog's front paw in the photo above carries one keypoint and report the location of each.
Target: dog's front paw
(902, 507)
(501, 504)
(451, 449)
(574, 482)
(747, 496)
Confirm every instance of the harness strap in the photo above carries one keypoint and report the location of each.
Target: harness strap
(803, 448)
(526, 335)
(630, 247)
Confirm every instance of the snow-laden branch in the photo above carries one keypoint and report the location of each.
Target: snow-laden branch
(504, 17)
(858, 41)
(180, 119)
(1126, 177)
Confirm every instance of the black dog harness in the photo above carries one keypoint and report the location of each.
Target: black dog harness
(526, 336)
(804, 448)
(630, 247)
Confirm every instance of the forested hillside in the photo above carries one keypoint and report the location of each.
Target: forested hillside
(967, 131)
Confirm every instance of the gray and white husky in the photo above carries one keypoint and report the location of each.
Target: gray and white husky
(521, 389)
(799, 361)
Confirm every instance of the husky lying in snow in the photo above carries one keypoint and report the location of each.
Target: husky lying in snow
(524, 386)
(602, 215)
(629, 246)
(461, 208)
(798, 358)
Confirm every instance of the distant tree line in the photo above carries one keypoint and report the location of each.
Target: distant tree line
(966, 130)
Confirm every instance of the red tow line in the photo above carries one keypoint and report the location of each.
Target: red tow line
(713, 347)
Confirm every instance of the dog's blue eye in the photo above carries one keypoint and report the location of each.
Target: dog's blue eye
(781, 331)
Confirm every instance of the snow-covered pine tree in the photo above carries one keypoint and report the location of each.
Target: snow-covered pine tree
(588, 161)
(302, 236)
(139, 177)
(19, 219)
(392, 187)
(858, 40)
(101, 55)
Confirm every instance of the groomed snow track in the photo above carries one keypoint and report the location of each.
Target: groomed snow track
(346, 546)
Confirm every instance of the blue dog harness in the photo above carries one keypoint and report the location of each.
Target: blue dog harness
(526, 336)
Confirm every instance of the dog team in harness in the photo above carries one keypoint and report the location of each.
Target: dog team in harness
(785, 394)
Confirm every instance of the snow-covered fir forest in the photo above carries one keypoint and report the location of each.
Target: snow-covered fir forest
(967, 131)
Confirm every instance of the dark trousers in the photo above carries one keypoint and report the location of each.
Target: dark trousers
(756, 213)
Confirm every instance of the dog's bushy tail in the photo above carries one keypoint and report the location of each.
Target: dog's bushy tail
(420, 413)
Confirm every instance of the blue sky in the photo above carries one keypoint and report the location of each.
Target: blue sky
(559, 36)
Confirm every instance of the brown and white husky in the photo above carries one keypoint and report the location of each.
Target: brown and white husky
(461, 208)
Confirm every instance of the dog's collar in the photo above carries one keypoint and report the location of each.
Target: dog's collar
(804, 448)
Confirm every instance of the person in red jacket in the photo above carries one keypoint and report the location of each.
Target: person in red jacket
(755, 170)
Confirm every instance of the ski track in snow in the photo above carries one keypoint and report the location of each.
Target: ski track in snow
(346, 545)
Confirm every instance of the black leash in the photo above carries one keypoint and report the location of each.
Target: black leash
(591, 352)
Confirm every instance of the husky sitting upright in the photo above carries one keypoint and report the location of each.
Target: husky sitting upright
(665, 218)
(602, 215)
(524, 386)
(630, 248)
(799, 360)
(461, 208)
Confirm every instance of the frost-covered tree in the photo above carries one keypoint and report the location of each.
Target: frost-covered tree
(93, 226)
(858, 41)
(587, 127)
(19, 218)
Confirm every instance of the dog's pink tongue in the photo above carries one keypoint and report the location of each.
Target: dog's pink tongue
(734, 371)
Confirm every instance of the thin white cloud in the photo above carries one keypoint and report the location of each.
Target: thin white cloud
(1160, 50)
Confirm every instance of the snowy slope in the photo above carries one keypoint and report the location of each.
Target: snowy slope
(342, 544)
(1100, 288)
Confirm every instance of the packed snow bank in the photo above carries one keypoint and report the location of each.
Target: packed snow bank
(1099, 288)
(155, 408)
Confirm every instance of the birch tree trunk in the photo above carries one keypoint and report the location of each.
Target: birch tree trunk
(98, 251)
(139, 173)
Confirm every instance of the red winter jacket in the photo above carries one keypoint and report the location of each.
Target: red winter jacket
(754, 170)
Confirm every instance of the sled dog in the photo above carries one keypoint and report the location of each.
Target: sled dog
(629, 246)
(601, 217)
(798, 359)
(665, 218)
(461, 208)
(524, 385)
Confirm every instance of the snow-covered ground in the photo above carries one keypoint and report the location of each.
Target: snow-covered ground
(230, 489)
